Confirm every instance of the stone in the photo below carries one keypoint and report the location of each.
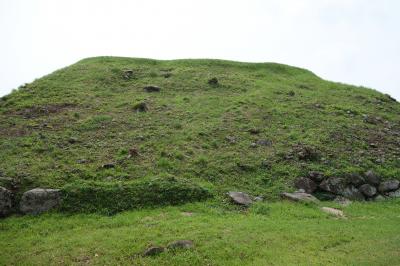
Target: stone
(258, 199)
(240, 198)
(128, 73)
(264, 142)
(379, 198)
(368, 190)
(108, 165)
(394, 194)
(324, 196)
(342, 201)
(254, 131)
(141, 107)
(133, 152)
(316, 176)
(230, 139)
(213, 81)
(5, 202)
(153, 251)
(40, 200)
(333, 211)
(372, 178)
(352, 193)
(152, 88)
(356, 179)
(334, 185)
(388, 186)
(181, 244)
(299, 197)
(305, 183)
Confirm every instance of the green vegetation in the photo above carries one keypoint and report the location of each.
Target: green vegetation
(286, 234)
(63, 127)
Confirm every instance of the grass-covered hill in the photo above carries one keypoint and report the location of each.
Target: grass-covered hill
(219, 124)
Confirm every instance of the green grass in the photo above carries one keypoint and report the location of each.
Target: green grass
(268, 234)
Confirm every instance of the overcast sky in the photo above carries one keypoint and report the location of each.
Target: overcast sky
(352, 41)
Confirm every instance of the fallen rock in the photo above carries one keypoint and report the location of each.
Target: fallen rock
(153, 251)
(388, 186)
(5, 202)
(213, 81)
(152, 88)
(356, 179)
(316, 176)
(342, 201)
(40, 200)
(334, 185)
(299, 197)
(352, 193)
(181, 244)
(394, 194)
(372, 178)
(264, 142)
(368, 190)
(333, 211)
(128, 73)
(306, 184)
(240, 198)
(141, 107)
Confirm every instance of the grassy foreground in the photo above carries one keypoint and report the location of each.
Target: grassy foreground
(268, 234)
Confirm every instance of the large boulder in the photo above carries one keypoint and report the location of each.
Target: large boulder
(394, 194)
(372, 178)
(306, 184)
(5, 201)
(368, 190)
(240, 198)
(300, 197)
(356, 179)
(335, 185)
(352, 193)
(40, 200)
(388, 186)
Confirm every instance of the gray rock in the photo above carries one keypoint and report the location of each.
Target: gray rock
(316, 176)
(305, 183)
(394, 194)
(181, 244)
(299, 197)
(368, 190)
(40, 200)
(388, 186)
(153, 251)
(152, 88)
(240, 198)
(342, 201)
(264, 142)
(372, 178)
(258, 199)
(356, 180)
(5, 202)
(352, 193)
(333, 212)
(334, 185)
(379, 198)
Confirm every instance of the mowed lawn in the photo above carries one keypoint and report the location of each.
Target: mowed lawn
(280, 233)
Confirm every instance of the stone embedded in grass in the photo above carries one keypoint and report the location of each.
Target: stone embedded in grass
(128, 74)
(133, 152)
(213, 81)
(230, 139)
(141, 107)
(394, 194)
(368, 190)
(333, 211)
(240, 198)
(5, 201)
(372, 178)
(153, 251)
(108, 165)
(300, 197)
(342, 201)
(306, 184)
(352, 193)
(254, 131)
(40, 200)
(181, 244)
(152, 88)
(388, 186)
(264, 142)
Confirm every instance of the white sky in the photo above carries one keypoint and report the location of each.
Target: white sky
(352, 41)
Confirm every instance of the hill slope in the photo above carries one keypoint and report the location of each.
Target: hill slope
(256, 129)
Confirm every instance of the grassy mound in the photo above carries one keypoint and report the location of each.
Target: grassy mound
(225, 125)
